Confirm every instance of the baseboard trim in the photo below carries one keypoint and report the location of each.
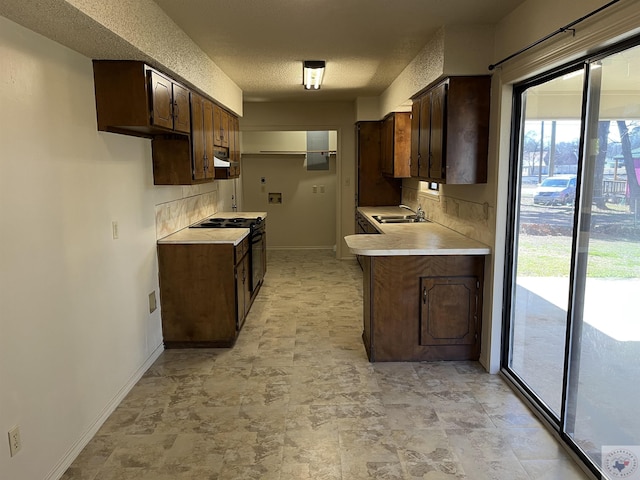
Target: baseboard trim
(323, 247)
(86, 437)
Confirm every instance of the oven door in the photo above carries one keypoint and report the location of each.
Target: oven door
(257, 258)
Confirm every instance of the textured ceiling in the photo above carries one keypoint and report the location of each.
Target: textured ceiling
(260, 44)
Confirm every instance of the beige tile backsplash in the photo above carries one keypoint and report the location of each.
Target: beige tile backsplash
(178, 214)
(471, 219)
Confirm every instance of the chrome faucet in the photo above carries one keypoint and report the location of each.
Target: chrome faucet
(419, 213)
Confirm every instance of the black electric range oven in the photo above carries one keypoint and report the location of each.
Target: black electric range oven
(257, 238)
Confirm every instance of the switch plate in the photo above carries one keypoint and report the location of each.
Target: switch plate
(114, 230)
(315, 189)
(153, 304)
(321, 188)
(15, 442)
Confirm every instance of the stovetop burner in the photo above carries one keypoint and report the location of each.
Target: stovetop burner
(237, 222)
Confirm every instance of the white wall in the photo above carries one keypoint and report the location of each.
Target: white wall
(74, 320)
(307, 216)
(338, 116)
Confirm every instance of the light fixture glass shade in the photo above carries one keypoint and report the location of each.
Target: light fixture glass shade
(312, 73)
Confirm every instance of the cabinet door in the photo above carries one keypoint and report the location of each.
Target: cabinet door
(169, 104)
(161, 100)
(207, 112)
(401, 144)
(197, 137)
(424, 147)
(221, 127)
(224, 129)
(387, 145)
(415, 138)
(247, 282)
(374, 189)
(234, 139)
(241, 280)
(217, 121)
(438, 132)
(449, 309)
(181, 115)
(243, 292)
(234, 146)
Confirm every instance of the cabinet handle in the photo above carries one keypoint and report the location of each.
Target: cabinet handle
(424, 295)
(176, 110)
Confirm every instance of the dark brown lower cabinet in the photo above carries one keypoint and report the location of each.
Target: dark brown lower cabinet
(204, 293)
(422, 308)
(363, 226)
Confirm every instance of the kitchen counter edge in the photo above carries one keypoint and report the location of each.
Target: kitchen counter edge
(428, 238)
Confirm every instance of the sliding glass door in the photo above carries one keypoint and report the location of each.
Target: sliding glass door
(548, 165)
(573, 296)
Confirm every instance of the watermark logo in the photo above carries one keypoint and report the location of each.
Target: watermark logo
(621, 461)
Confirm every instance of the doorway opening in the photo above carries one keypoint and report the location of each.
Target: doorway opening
(293, 176)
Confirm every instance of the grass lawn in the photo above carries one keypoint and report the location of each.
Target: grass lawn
(550, 256)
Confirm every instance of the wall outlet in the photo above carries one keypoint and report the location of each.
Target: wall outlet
(153, 304)
(15, 442)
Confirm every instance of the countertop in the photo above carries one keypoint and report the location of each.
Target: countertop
(213, 235)
(421, 238)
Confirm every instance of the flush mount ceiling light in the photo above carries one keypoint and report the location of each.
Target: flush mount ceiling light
(312, 73)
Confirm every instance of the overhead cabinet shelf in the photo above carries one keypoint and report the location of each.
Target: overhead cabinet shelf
(134, 99)
(186, 128)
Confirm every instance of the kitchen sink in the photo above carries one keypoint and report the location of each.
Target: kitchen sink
(396, 218)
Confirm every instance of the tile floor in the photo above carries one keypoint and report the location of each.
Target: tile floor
(296, 398)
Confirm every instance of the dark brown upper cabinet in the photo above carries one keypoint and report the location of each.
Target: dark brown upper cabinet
(450, 131)
(396, 144)
(186, 128)
(374, 189)
(232, 171)
(182, 160)
(134, 99)
(202, 137)
(221, 127)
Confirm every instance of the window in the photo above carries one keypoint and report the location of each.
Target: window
(573, 268)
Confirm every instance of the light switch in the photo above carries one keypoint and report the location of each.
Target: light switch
(315, 189)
